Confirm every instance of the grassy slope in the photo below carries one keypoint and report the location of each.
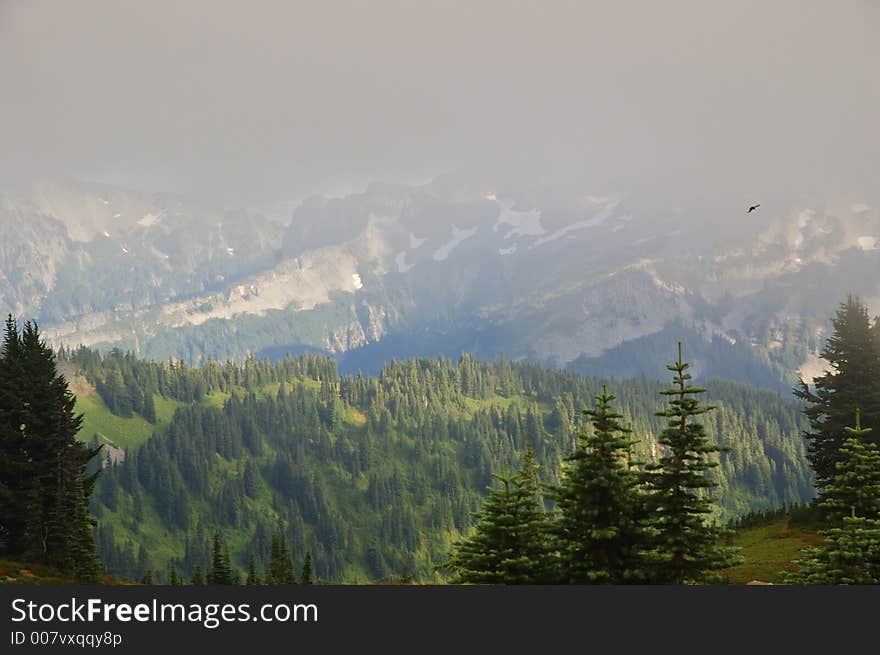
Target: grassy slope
(129, 433)
(769, 550)
(123, 432)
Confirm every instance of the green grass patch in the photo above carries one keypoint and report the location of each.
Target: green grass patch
(769, 550)
(124, 432)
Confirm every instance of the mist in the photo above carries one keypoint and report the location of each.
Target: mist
(248, 102)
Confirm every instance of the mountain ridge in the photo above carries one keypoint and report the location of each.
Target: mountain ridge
(556, 275)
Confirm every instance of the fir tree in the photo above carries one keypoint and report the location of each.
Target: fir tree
(685, 547)
(850, 553)
(173, 578)
(149, 408)
(855, 489)
(280, 569)
(252, 577)
(853, 356)
(44, 464)
(197, 579)
(220, 572)
(249, 479)
(16, 468)
(81, 548)
(600, 532)
(509, 544)
(306, 573)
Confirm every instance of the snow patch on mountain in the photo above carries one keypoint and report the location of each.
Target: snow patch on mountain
(868, 243)
(524, 224)
(400, 260)
(458, 236)
(149, 219)
(601, 216)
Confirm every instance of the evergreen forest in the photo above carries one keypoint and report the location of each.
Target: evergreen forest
(434, 470)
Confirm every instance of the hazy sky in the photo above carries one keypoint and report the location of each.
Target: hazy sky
(242, 101)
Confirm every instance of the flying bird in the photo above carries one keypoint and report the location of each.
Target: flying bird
(753, 208)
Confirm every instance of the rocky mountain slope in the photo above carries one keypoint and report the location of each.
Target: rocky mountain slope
(550, 273)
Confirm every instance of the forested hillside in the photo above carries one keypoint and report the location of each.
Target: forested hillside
(373, 476)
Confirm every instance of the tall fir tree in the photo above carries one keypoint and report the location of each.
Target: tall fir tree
(306, 572)
(853, 380)
(252, 577)
(686, 548)
(44, 463)
(600, 531)
(16, 469)
(280, 568)
(850, 553)
(220, 572)
(197, 579)
(509, 544)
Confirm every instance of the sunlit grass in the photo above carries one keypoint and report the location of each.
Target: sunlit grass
(769, 550)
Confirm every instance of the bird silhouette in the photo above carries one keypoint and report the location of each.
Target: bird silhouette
(753, 208)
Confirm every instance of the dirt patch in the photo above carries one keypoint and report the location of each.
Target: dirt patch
(78, 384)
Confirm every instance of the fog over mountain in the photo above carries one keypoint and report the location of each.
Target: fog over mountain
(598, 283)
(711, 102)
(563, 182)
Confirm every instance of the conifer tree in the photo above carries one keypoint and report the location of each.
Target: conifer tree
(855, 488)
(252, 577)
(685, 548)
(81, 551)
(853, 380)
(280, 569)
(173, 578)
(197, 579)
(249, 479)
(149, 409)
(850, 553)
(16, 469)
(306, 573)
(220, 572)
(509, 544)
(45, 491)
(600, 531)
